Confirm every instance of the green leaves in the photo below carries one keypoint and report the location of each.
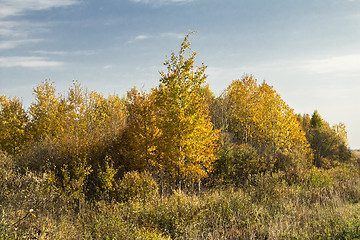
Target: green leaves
(329, 144)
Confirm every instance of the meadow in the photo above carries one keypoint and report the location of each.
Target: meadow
(176, 162)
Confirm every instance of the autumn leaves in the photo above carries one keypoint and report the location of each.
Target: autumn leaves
(175, 132)
(257, 115)
(171, 124)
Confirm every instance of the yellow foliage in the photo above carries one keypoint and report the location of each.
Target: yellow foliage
(142, 130)
(187, 145)
(13, 120)
(260, 117)
(47, 112)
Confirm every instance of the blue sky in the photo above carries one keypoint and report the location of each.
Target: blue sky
(308, 50)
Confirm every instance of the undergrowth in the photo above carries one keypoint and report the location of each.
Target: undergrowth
(322, 205)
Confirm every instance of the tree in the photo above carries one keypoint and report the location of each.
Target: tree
(243, 101)
(104, 118)
(341, 132)
(281, 131)
(187, 146)
(329, 144)
(142, 130)
(46, 113)
(13, 121)
(73, 137)
(93, 124)
(258, 116)
(236, 163)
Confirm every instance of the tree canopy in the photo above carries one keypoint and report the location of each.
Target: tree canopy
(178, 132)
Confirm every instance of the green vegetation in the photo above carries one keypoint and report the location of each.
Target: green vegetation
(174, 163)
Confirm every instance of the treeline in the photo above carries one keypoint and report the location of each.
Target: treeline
(179, 134)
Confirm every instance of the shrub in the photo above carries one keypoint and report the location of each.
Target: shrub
(135, 186)
(293, 164)
(37, 155)
(236, 163)
(341, 181)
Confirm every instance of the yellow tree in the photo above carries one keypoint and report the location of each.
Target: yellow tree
(187, 146)
(74, 140)
(278, 124)
(102, 124)
(13, 120)
(46, 113)
(85, 146)
(142, 130)
(91, 119)
(116, 109)
(243, 101)
(341, 132)
(102, 121)
(260, 117)
(106, 119)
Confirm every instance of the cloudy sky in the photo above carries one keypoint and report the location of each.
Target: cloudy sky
(308, 50)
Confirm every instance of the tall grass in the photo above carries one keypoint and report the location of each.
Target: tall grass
(323, 205)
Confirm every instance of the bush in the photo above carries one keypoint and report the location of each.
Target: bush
(135, 186)
(340, 181)
(22, 198)
(293, 164)
(236, 163)
(36, 156)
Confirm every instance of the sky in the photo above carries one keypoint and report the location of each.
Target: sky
(309, 51)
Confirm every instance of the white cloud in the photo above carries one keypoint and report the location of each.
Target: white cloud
(10, 29)
(107, 66)
(348, 65)
(57, 53)
(157, 3)
(18, 7)
(141, 37)
(14, 33)
(336, 64)
(83, 52)
(161, 35)
(65, 53)
(28, 62)
(20, 29)
(14, 43)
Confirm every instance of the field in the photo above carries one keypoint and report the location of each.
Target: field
(174, 163)
(325, 205)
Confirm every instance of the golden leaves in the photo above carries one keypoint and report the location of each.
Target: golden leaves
(13, 120)
(187, 146)
(259, 116)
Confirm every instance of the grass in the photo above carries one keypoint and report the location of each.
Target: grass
(323, 205)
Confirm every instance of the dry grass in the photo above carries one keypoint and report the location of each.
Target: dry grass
(324, 205)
